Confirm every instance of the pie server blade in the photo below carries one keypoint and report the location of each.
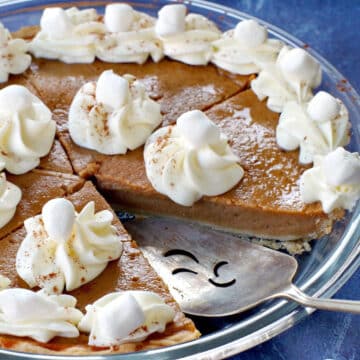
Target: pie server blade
(211, 273)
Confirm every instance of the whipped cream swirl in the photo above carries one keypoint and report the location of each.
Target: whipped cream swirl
(38, 315)
(4, 282)
(246, 49)
(292, 78)
(186, 38)
(113, 115)
(13, 57)
(191, 159)
(130, 36)
(334, 180)
(27, 130)
(68, 35)
(10, 196)
(317, 127)
(63, 248)
(138, 314)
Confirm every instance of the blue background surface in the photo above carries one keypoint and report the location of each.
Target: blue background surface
(332, 29)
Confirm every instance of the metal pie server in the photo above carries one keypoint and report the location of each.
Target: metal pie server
(213, 274)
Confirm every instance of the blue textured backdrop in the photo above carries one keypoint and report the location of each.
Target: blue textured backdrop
(331, 28)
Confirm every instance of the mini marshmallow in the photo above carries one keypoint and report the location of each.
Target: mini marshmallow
(323, 107)
(59, 218)
(56, 23)
(250, 33)
(171, 20)
(297, 65)
(137, 313)
(342, 168)
(112, 90)
(128, 314)
(197, 128)
(118, 17)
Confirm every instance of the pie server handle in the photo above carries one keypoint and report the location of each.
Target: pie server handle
(295, 294)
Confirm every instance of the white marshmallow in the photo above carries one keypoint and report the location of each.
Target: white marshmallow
(138, 314)
(171, 20)
(118, 17)
(323, 107)
(197, 128)
(128, 314)
(250, 33)
(342, 168)
(112, 90)
(56, 23)
(59, 218)
(298, 65)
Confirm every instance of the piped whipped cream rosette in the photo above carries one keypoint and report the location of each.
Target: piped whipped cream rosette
(13, 57)
(27, 130)
(113, 115)
(38, 315)
(63, 248)
(130, 36)
(246, 49)
(191, 159)
(317, 127)
(334, 180)
(68, 35)
(292, 78)
(186, 38)
(10, 196)
(4, 282)
(138, 314)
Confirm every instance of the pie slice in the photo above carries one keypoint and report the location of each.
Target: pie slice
(131, 272)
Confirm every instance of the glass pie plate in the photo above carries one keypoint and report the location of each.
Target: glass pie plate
(321, 273)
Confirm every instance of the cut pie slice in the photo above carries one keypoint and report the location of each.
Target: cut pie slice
(131, 272)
